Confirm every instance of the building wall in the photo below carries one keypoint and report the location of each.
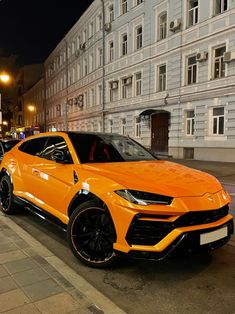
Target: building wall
(80, 99)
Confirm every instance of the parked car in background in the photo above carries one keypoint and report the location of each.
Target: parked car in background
(6, 145)
(114, 197)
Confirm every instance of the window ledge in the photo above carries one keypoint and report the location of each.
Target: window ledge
(216, 137)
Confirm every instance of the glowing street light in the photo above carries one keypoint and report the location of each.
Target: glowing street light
(4, 77)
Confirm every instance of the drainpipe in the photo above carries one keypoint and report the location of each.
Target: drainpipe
(67, 84)
(44, 101)
(103, 69)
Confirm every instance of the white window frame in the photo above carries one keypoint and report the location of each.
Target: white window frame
(138, 84)
(139, 37)
(111, 13)
(195, 13)
(123, 90)
(221, 5)
(193, 67)
(123, 126)
(111, 51)
(124, 45)
(220, 61)
(162, 26)
(137, 127)
(217, 118)
(160, 77)
(123, 6)
(190, 123)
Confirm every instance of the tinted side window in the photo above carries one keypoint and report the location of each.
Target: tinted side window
(34, 146)
(53, 143)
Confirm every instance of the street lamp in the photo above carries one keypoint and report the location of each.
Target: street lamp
(4, 78)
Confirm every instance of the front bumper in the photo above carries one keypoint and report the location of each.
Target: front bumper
(187, 242)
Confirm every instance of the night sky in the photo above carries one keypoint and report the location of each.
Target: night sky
(32, 29)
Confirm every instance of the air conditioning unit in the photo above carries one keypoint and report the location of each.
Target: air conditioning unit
(114, 84)
(77, 53)
(128, 81)
(202, 56)
(229, 56)
(83, 46)
(107, 27)
(174, 25)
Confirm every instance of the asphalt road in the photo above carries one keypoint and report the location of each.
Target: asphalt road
(182, 284)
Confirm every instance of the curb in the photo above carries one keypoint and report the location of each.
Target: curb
(101, 301)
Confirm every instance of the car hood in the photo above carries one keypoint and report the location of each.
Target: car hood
(160, 177)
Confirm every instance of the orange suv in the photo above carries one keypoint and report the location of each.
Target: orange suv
(113, 196)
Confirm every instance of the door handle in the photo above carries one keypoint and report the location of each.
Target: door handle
(36, 172)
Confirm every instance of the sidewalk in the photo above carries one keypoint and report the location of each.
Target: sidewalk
(33, 280)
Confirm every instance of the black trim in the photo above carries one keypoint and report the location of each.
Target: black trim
(187, 242)
(40, 212)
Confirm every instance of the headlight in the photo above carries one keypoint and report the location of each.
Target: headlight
(144, 198)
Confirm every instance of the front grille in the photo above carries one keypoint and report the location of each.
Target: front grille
(147, 232)
(201, 217)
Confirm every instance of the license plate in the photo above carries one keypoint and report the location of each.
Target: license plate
(213, 235)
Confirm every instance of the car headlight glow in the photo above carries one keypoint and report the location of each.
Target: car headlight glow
(144, 198)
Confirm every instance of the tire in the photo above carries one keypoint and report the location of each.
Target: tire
(91, 235)
(6, 196)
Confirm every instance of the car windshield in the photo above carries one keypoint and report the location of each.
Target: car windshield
(9, 144)
(107, 148)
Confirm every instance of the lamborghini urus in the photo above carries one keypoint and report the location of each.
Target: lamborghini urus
(114, 197)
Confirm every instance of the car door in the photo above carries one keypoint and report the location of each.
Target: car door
(52, 180)
(25, 159)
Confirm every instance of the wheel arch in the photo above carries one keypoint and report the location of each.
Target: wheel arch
(82, 197)
(4, 172)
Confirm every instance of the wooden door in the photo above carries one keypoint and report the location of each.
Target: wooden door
(159, 133)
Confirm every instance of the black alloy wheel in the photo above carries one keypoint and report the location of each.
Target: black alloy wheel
(91, 235)
(6, 195)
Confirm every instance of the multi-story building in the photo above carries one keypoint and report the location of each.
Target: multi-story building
(162, 72)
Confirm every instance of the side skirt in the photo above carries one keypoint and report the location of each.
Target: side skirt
(40, 213)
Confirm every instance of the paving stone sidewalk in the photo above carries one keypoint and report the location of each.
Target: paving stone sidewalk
(30, 284)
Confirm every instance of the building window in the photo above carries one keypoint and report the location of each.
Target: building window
(162, 78)
(91, 63)
(111, 51)
(85, 67)
(137, 127)
(99, 22)
(100, 57)
(192, 12)
(92, 97)
(191, 70)
(123, 126)
(162, 26)
(218, 121)
(84, 35)
(111, 93)
(219, 64)
(139, 37)
(78, 71)
(123, 6)
(124, 89)
(220, 6)
(124, 44)
(99, 94)
(111, 13)
(138, 84)
(138, 2)
(73, 47)
(110, 130)
(190, 116)
(91, 29)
